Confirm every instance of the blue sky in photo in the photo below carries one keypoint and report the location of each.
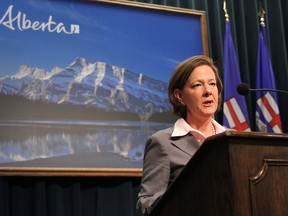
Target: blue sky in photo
(144, 41)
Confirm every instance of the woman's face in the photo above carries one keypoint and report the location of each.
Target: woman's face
(200, 93)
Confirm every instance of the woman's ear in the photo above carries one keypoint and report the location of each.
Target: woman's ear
(178, 96)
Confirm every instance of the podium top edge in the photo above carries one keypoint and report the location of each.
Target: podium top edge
(254, 134)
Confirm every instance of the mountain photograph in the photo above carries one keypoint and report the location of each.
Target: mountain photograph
(101, 90)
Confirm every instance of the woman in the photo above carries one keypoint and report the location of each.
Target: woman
(194, 91)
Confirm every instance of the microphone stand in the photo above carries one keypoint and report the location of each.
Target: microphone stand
(274, 90)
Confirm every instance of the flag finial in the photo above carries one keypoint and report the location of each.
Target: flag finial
(261, 14)
(225, 11)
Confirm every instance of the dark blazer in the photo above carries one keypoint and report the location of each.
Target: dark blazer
(164, 159)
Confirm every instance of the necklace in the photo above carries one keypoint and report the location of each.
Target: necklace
(213, 129)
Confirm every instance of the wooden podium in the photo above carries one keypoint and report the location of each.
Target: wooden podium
(232, 174)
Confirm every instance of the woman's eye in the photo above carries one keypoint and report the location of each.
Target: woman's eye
(196, 85)
(213, 84)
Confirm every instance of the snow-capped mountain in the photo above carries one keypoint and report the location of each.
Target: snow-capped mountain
(91, 84)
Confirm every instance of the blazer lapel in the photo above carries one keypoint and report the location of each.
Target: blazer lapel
(188, 144)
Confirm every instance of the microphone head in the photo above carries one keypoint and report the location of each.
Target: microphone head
(243, 89)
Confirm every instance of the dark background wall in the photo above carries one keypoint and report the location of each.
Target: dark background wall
(117, 196)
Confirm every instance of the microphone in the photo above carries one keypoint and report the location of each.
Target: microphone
(244, 88)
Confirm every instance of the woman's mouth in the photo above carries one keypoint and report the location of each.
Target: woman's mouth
(208, 102)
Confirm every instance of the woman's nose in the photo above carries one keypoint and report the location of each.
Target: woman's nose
(207, 91)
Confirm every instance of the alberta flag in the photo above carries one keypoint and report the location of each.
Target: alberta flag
(267, 112)
(235, 109)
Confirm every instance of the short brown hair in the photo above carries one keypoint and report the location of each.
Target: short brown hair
(180, 76)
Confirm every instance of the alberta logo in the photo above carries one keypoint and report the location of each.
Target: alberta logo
(21, 22)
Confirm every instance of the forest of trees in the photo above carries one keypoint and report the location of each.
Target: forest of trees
(18, 107)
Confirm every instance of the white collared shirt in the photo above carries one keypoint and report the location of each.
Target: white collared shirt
(182, 128)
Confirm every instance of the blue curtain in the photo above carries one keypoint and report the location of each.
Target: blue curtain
(61, 196)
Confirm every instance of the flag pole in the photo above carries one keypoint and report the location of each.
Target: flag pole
(261, 14)
(225, 11)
